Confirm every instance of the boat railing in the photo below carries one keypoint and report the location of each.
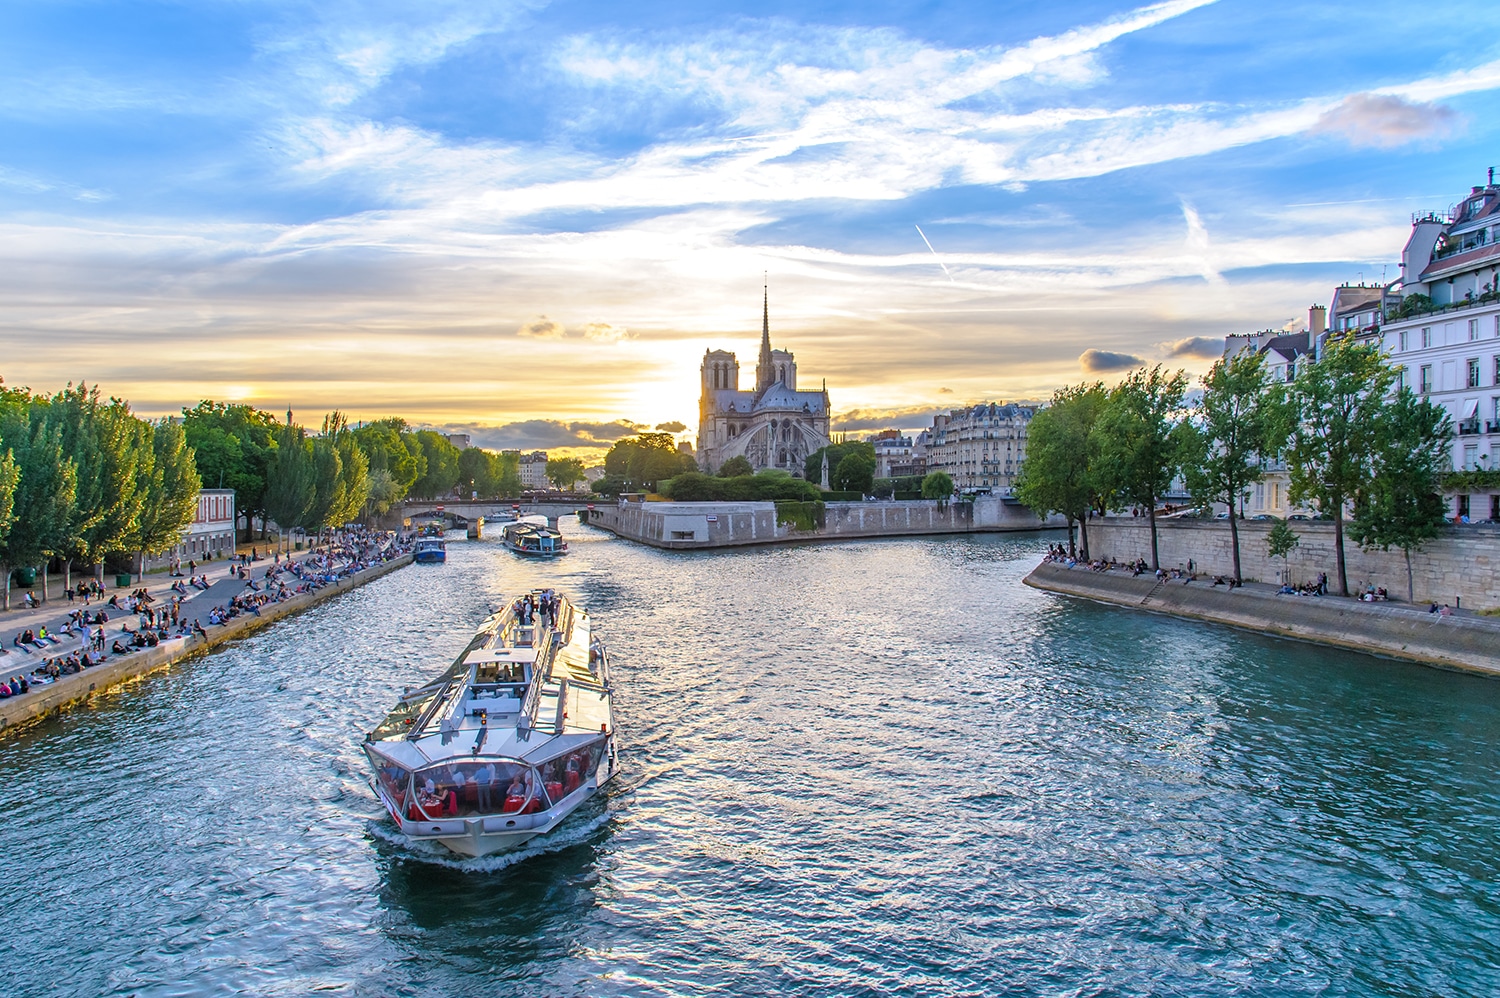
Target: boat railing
(427, 715)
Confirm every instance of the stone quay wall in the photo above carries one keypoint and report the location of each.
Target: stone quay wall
(689, 525)
(1395, 631)
(45, 701)
(1461, 565)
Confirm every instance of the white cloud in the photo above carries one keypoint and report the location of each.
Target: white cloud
(1385, 121)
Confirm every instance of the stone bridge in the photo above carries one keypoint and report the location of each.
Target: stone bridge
(462, 512)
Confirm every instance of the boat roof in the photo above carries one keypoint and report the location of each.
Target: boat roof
(461, 715)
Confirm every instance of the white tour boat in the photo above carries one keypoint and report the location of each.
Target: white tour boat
(509, 740)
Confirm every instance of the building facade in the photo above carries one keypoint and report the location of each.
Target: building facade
(1444, 332)
(534, 470)
(209, 536)
(893, 454)
(981, 447)
(774, 426)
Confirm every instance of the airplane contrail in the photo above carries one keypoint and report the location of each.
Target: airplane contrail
(935, 253)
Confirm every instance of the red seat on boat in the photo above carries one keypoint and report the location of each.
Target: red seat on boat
(555, 791)
(512, 804)
(571, 782)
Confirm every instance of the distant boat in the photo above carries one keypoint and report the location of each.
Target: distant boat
(531, 536)
(430, 551)
(509, 740)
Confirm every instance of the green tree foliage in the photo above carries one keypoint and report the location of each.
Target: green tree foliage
(507, 472)
(1137, 455)
(352, 482)
(383, 493)
(1281, 541)
(389, 447)
(1401, 504)
(937, 485)
(171, 490)
(476, 473)
(112, 455)
(564, 472)
(1333, 416)
(855, 473)
(1058, 474)
(46, 486)
(647, 459)
(10, 477)
(813, 467)
(232, 447)
(1230, 432)
(440, 476)
(736, 467)
(290, 479)
(771, 485)
(327, 485)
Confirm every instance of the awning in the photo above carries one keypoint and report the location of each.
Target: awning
(1471, 409)
(484, 656)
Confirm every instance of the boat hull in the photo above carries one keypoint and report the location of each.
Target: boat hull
(430, 557)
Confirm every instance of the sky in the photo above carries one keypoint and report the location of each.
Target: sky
(529, 220)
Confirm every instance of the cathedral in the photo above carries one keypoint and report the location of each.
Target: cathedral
(775, 426)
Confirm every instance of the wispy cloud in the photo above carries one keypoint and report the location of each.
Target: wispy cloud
(1101, 361)
(1195, 346)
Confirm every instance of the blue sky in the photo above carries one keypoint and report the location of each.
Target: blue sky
(532, 218)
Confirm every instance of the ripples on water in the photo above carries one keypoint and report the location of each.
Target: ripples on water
(855, 769)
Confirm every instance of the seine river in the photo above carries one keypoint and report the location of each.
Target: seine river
(874, 768)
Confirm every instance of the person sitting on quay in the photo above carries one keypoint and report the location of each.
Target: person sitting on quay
(119, 649)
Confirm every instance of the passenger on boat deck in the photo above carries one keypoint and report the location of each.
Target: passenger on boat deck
(484, 778)
(516, 788)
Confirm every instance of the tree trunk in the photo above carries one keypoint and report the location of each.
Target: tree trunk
(1338, 548)
(140, 576)
(1155, 561)
(1083, 530)
(67, 573)
(1410, 596)
(42, 570)
(6, 569)
(1234, 544)
(1072, 548)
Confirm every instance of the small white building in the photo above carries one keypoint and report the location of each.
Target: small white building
(209, 536)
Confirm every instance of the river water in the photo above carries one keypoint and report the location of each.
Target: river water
(867, 768)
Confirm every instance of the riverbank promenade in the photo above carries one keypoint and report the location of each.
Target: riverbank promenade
(230, 607)
(1450, 638)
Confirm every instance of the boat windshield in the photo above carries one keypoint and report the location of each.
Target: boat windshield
(393, 779)
(474, 787)
(398, 723)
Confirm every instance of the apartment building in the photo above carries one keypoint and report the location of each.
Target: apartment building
(981, 447)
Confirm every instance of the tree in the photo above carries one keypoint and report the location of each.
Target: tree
(855, 473)
(1280, 542)
(507, 472)
(389, 447)
(1225, 441)
(1333, 419)
(1137, 454)
(46, 484)
(1401, 504)
(812, 467)
(736, 467)
(327, 493)
(352, 480)
(10, 476)
(232, 447)
(563, 472)
(647, 459)
(476, 473)
(112, 456)
(290, 479)
(440, 474)
(171, 486)
(382, 492)
(1057, 475)
(937, 485)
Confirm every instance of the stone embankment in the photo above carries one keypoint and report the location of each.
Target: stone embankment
(1395, 630)
(1460, 566)
(688, 525)
(45, 701)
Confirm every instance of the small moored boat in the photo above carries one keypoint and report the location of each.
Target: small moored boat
(509, 740)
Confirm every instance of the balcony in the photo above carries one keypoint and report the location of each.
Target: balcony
(1493, 426)
(1469, 427)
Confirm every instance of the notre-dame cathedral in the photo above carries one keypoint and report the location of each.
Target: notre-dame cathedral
(774, 426)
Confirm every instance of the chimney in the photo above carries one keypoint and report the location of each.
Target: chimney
(1317, 320)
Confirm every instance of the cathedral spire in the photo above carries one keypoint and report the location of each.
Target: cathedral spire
(765, 370)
